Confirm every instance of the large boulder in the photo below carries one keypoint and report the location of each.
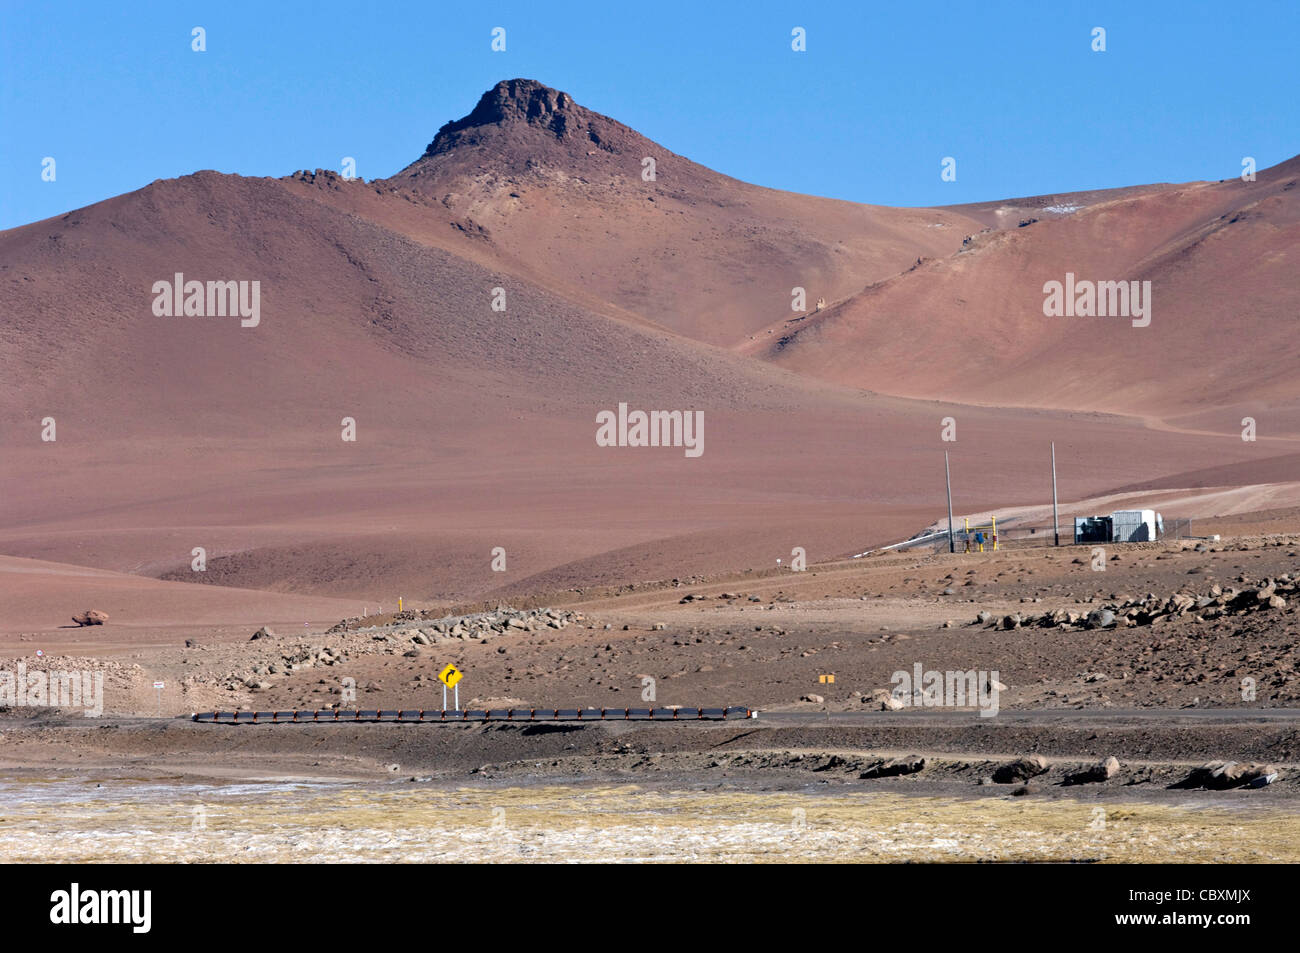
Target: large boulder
(1222, 775)
(91, 617)
(884, 700)
(1100, 619)
(1022, 769)
(1098, 773)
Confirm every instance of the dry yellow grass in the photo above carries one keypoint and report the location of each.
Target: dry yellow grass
(409, 823)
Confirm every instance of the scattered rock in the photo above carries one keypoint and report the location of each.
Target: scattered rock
(832, 763)
(1097, 774)
(479, 626)
(1022, 769)
(1270, 595)
(894, 767)
(91, 617)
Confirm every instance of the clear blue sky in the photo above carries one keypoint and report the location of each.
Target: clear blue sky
(1013, 91)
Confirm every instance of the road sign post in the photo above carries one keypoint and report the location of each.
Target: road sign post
(158, 686)
(947, 475)
(450, 678)
(1056, 520)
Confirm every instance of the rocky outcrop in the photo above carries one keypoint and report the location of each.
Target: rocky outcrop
(421, 629)
(1270, 595)
(485, 625)
(894, 767)
(512, 109)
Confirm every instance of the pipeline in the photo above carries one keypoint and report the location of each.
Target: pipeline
(419, 716)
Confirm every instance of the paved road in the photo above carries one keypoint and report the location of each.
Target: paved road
(917, 717)
(1041, 716)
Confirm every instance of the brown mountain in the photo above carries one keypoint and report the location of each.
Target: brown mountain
(476, 427)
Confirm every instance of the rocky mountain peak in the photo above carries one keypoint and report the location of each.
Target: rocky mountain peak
(514, 102)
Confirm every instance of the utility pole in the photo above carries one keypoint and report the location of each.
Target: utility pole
(1056, 522)
(947, 473)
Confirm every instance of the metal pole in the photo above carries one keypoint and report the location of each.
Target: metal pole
(1056, 522)
(444, 696)
(947, 473)
(457, 692)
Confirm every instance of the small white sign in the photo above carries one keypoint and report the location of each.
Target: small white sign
(158, 685)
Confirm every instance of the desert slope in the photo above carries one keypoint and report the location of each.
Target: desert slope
(1221, 259)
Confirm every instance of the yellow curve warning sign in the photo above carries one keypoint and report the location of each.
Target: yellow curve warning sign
(450, 675)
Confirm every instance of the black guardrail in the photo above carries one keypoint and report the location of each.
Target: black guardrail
(426, 716)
